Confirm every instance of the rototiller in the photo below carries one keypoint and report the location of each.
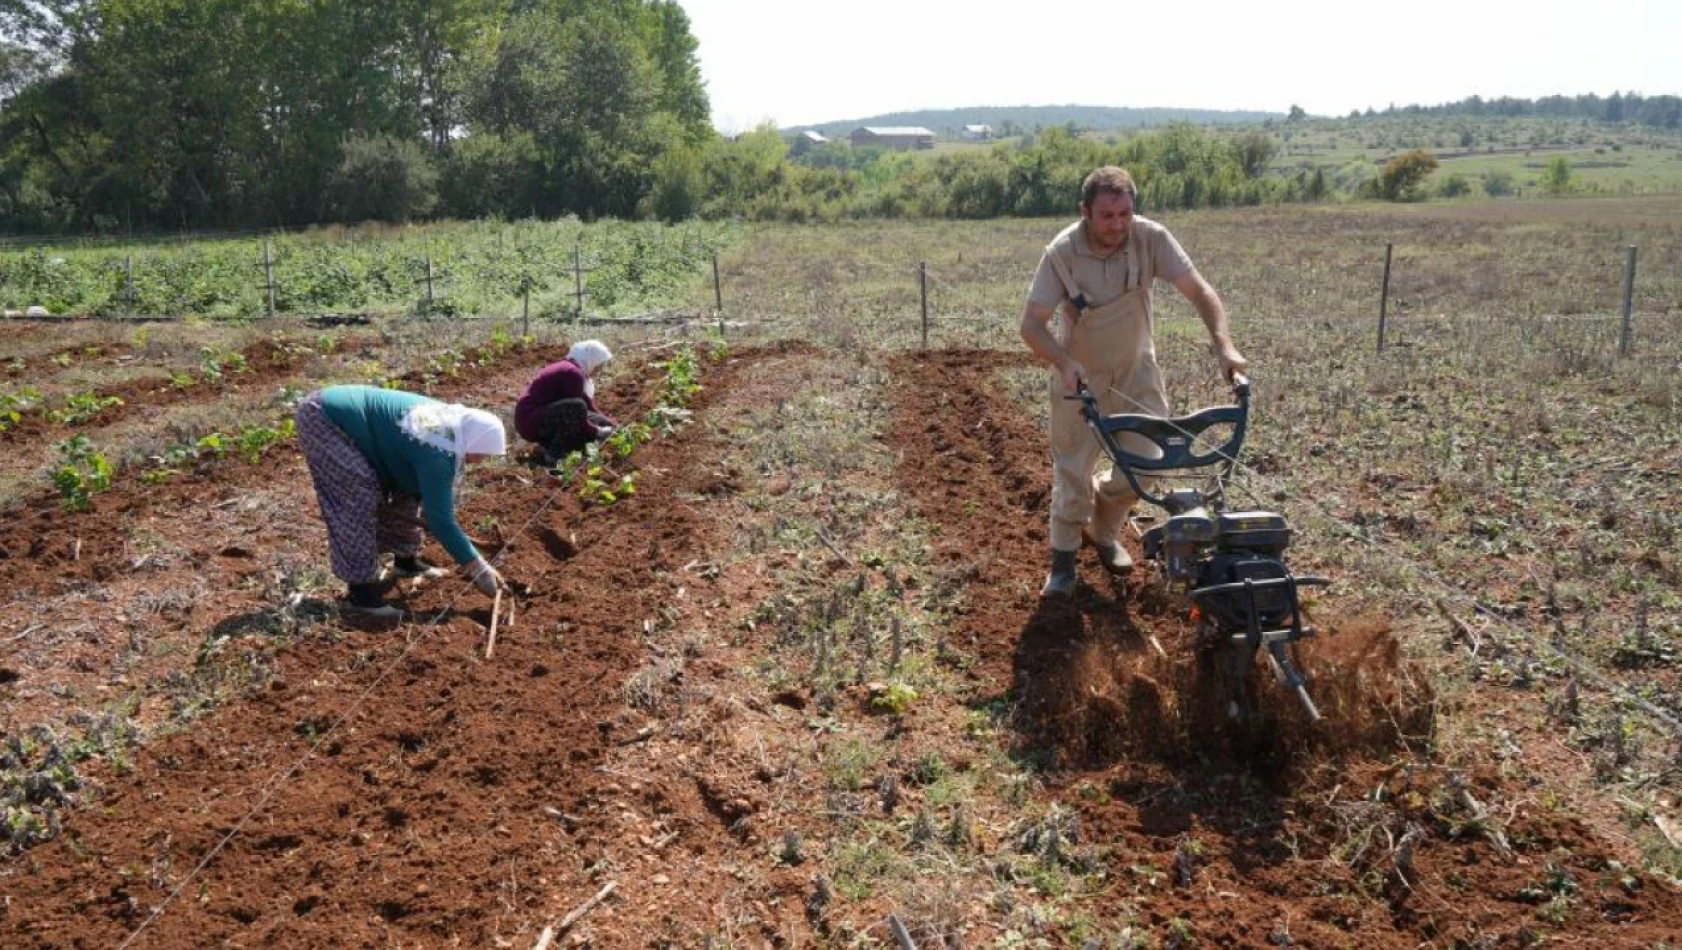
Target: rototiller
(1230, 564)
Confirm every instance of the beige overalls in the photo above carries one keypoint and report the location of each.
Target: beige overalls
(1113, 341)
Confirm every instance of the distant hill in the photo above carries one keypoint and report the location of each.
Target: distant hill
(947, 122)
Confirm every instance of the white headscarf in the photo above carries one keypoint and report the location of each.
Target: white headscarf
(589, 355)
(458, 430)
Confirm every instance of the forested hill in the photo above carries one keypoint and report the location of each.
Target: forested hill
(1028, 118)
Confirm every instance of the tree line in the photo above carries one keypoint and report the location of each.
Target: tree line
(146, 114)
(1663, 112)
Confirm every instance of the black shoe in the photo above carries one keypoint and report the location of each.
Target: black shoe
(365, 600)
(1061, 581)
(412, 566)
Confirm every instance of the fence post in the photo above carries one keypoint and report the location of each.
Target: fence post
(578, 277)
(525, 308)
(1384, 296)
(923, 291)
(128, 285)
(429, 300)
(268, 275)
(718, 289)
(1626, 337)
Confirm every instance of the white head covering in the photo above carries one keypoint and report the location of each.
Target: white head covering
(589, 355)
(456, 429)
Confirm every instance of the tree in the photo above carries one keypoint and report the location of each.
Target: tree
(677, 185)
(1556, 178)
(1403, 175)
(384, 178)
(490, 173)
(1297, 114)
(1253, 151)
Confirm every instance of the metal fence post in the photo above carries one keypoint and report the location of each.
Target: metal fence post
(128, 285)
(1626, 337)
(1384, 296)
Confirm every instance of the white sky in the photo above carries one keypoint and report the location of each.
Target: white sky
(807, 61)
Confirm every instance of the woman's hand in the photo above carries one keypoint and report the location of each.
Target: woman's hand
(484, 576)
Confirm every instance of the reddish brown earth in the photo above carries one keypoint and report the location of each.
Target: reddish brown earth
(400, 787)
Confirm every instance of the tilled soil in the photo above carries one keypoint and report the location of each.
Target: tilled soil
(374, 787)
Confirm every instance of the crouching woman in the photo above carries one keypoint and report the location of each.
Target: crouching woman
(558, 410)
(379, 458)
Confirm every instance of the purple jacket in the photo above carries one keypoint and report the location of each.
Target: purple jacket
(561, 380)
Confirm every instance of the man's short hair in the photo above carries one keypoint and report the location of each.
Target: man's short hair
(1112, 179)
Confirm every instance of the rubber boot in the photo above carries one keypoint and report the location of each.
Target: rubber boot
(1061, 581)
(1111, 554)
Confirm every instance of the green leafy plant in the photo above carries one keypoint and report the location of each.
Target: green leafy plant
(214, 443)
(446, 365)
(253, 440)
(599, 487)
(82, 472)
(683, 378)
(80, 407)
(214, 363)
(14, 405)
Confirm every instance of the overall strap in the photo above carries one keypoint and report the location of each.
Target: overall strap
(1076, 297)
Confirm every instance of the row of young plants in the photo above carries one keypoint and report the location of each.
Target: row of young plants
(441, 270)
(85, 469)
(597, 470)
(83, 406)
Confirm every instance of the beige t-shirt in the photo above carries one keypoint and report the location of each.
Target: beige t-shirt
(1149, 252)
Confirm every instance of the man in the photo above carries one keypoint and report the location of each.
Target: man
(1099, 272)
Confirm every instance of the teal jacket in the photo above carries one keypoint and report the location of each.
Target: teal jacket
(371, 417)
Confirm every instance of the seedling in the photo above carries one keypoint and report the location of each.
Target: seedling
(82, 472)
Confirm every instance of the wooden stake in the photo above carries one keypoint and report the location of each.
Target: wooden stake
(496, 608)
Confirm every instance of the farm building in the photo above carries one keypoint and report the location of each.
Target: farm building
(902, 138)
(977, 133)
(802, 142)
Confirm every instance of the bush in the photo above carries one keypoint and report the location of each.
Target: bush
(1454, 186)
(1498, 184)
